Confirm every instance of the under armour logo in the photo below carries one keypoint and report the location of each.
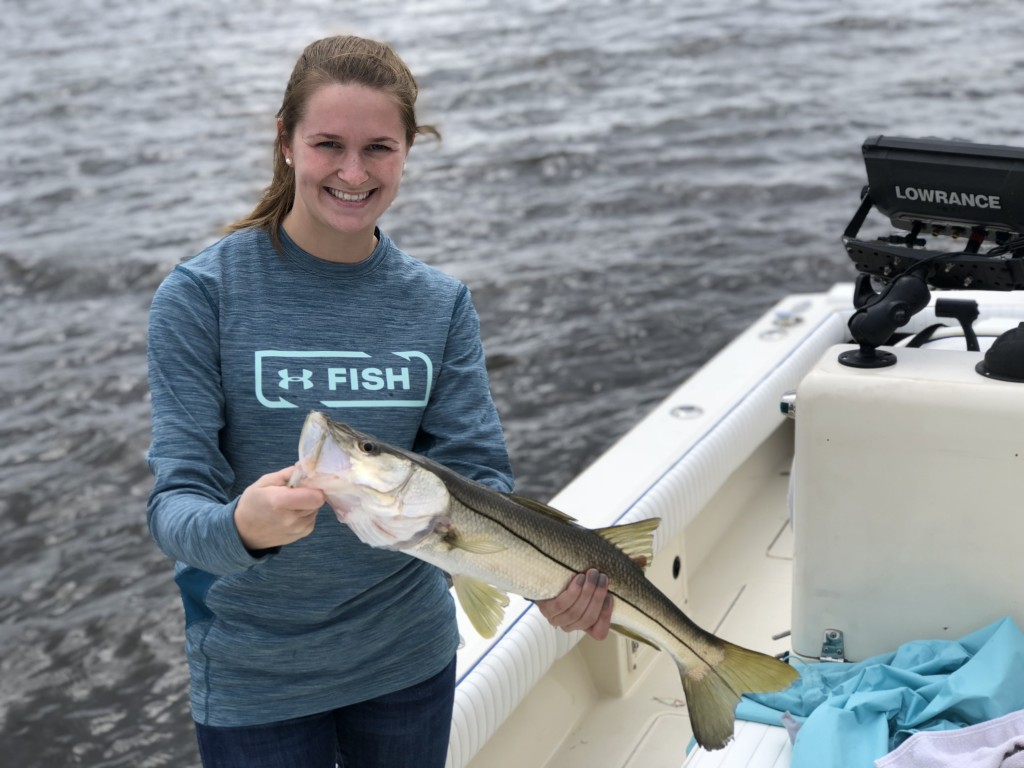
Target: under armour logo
(286, 380)
(342, 378)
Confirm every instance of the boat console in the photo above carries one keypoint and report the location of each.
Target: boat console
(906, 509)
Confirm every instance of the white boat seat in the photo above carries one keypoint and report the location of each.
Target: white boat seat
(755, 746)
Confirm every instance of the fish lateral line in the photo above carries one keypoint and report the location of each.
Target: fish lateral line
(571, 567)
(612, 535)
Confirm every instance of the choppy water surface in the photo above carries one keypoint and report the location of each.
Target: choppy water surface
(623, 184)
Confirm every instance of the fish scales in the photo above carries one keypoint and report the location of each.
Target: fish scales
(574, 549)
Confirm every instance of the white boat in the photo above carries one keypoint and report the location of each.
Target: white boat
(777, 530)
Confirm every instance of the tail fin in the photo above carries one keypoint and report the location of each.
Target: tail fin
(712, 693)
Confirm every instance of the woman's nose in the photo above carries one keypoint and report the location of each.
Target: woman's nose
(352, 171)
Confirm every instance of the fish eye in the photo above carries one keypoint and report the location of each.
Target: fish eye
(368, 447)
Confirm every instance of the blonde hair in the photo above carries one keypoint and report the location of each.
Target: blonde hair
(342, 60)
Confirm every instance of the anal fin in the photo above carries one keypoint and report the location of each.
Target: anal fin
(634, 636)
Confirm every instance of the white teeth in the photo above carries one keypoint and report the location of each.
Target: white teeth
(348, 198)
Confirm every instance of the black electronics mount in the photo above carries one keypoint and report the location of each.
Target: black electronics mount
(942, 189)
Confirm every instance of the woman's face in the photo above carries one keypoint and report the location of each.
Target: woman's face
(348, 153)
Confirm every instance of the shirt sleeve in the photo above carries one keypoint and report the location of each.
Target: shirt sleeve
(460, 426)
(191, 506)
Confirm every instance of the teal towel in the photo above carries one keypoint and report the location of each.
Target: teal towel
(852, 714)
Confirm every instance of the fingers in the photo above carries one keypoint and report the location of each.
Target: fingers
(271, 514)
(600, 629)
(583, 605)
(286, 497)
(280, 477)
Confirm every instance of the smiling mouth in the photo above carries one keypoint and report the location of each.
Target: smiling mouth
(345, 197)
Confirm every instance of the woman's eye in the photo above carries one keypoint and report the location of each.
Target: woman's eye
(380, 148)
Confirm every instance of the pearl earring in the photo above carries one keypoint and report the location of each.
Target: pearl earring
(288, 161)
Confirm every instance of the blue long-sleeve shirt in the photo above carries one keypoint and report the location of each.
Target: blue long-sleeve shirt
(243, 342)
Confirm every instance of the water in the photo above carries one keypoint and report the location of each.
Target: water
(624, 184)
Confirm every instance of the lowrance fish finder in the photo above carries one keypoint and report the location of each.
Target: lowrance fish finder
(968, 197)
(947, 184)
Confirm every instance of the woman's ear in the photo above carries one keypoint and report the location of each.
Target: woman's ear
(283, 142)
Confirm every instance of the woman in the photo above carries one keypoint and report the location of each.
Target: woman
(306, 647)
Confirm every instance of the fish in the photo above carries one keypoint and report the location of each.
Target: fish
(492, 543)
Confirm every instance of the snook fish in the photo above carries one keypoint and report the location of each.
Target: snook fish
(493, 543)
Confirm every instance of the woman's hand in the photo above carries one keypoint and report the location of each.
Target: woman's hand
(270, 514)
(585, 605)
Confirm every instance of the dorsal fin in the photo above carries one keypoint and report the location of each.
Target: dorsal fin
(634, 539)
(544, 509)
(467, 492)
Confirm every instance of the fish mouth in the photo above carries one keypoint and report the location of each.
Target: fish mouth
(318, 454)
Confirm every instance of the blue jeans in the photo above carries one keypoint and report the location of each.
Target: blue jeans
(405, 729)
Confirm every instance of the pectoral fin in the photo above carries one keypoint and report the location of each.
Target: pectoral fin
(478, 545)
(635, 539)
(483, 604)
